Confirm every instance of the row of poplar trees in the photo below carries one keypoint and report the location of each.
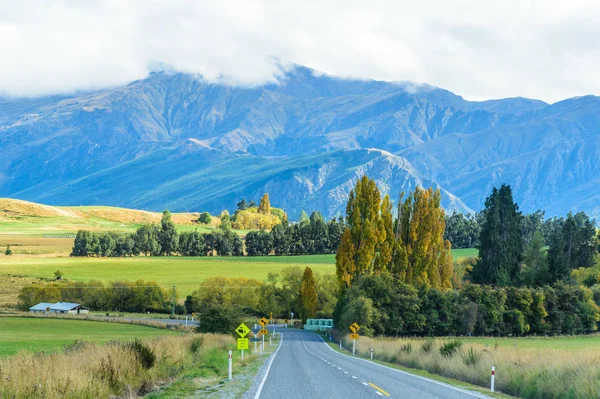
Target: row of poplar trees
(410, 247)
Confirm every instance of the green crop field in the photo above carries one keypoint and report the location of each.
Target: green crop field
(38, 334)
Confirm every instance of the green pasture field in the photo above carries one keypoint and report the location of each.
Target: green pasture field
(464, 253)
(38, 334)
(186, 273)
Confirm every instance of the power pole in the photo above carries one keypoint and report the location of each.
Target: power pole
(173, 314)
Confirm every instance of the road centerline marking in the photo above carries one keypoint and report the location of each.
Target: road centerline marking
(381, 391)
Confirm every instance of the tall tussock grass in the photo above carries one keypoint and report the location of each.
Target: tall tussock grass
(115, 369)
(523, 372)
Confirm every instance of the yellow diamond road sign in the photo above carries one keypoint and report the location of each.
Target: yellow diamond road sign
(263, 322)
(264, 331)
(242, 343)
(242, 330)
(354, 327)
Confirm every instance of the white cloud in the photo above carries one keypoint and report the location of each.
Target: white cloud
(483, 49)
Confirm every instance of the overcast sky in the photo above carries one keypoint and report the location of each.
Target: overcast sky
(479, 49)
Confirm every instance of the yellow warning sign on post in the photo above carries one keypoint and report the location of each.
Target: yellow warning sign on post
(354, 336)
(287, 321)
(263, 322)
(242, 330)
(354, 328)
(264, 331)
(242, 343)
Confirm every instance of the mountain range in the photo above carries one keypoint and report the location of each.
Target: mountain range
(176, 141)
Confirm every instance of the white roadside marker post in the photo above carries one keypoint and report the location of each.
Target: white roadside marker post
(230, 366)
(186, 316)
(242, 354)
(340, 344)
(270, 341)
(353, 346)
(371, 353)
(493, 377)
(255, 337)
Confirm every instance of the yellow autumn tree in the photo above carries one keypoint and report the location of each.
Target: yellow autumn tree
(421, 256)
(264, 206)
(365, 232)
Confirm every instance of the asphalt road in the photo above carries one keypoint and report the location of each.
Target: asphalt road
(305, 367)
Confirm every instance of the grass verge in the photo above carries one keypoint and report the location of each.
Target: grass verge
(426, 374)
(526, 372)
(122, 369)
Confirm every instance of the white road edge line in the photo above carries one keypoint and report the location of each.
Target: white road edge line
(378, 393)
(262, 383)
(470, 393)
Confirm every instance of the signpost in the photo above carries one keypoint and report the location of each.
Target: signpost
(256, 338)
(354, 328)
(242, 331)
(286, 322)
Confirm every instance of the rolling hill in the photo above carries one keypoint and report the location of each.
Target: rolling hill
(176, 141)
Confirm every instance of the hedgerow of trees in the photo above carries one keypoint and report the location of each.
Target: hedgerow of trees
(312, 236)
(123, 296)
(163, 240)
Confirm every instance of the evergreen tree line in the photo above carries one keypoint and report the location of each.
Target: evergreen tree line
(508, 256)
(382, 305)
(160, 240)
(310, 236)
(121, 296)
(463, 230)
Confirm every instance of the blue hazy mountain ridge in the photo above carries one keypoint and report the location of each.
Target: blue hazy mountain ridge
(175, 141)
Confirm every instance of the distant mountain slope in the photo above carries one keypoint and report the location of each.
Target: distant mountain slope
(176, 141)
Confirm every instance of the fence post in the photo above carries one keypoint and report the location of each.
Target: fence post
(493, 377)
(230, 365)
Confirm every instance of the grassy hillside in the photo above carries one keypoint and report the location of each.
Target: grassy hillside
(27, 218)
(37, 334)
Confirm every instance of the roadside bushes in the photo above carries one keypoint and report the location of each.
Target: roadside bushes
(388, 307)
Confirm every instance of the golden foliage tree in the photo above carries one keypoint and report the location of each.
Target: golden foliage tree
(421, 255)
(411, 248)
(308, 295)
(365, 232)
(264, 206)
